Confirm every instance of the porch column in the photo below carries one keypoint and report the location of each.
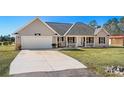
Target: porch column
(77, 41)
(56, 41)
(85, 41)
(94, 41)
(66, 41)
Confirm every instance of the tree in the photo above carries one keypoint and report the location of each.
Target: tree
(112, 26)
(114, 21)
(109, 22)
(98, 26)
(1, 38)
(121, 24)
(6, 38)
(93, 23)
(122, 20)
(12, 39)
(107, 25)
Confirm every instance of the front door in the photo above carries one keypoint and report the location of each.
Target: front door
(82, 41)
(61, 41)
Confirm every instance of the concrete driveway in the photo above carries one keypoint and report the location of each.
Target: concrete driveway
(28, 61)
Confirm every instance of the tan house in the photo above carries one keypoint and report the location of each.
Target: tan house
(117, 40)
(38, 34)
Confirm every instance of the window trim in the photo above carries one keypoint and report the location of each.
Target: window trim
(102, 41)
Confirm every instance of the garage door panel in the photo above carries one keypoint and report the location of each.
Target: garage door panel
(36, 42)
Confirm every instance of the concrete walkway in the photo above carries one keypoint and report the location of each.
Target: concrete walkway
(29, 61)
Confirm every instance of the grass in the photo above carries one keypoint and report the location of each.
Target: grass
(7, 54)
(96, 59)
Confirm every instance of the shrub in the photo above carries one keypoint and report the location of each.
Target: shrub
(5, 43)
(10, 42)
(0, 43)
(19, 47)
(54, 45)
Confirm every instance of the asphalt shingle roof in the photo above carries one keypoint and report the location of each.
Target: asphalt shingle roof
(60, 28)
(81, 29)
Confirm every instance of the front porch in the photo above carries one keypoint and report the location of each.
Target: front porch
(81, 41)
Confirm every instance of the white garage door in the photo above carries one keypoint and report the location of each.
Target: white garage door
(36, 42)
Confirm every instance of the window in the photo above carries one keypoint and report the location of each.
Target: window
(71, 39)
(90, 40)
(101, 40)
(37, 34)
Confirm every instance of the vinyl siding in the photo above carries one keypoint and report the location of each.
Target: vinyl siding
(102, 34)
(35, 27)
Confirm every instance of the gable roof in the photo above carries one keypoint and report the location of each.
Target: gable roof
(37, 18)
(60, 28)
(80, 29)
(63, 29)
(99, 30)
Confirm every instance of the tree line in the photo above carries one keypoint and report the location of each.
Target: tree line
(6, 40)
(113, 26)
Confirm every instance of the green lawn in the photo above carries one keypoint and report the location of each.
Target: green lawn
(7, 54)
(94, 58)
(98, 58)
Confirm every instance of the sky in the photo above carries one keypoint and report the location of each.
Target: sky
(10, 24)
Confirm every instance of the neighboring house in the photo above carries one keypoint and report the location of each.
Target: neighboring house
(38, 34)
(117, 40)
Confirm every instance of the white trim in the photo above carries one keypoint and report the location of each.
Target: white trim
(33, 21)
(94, 43)
(85, 41)
(77, 41)
(69, 29)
